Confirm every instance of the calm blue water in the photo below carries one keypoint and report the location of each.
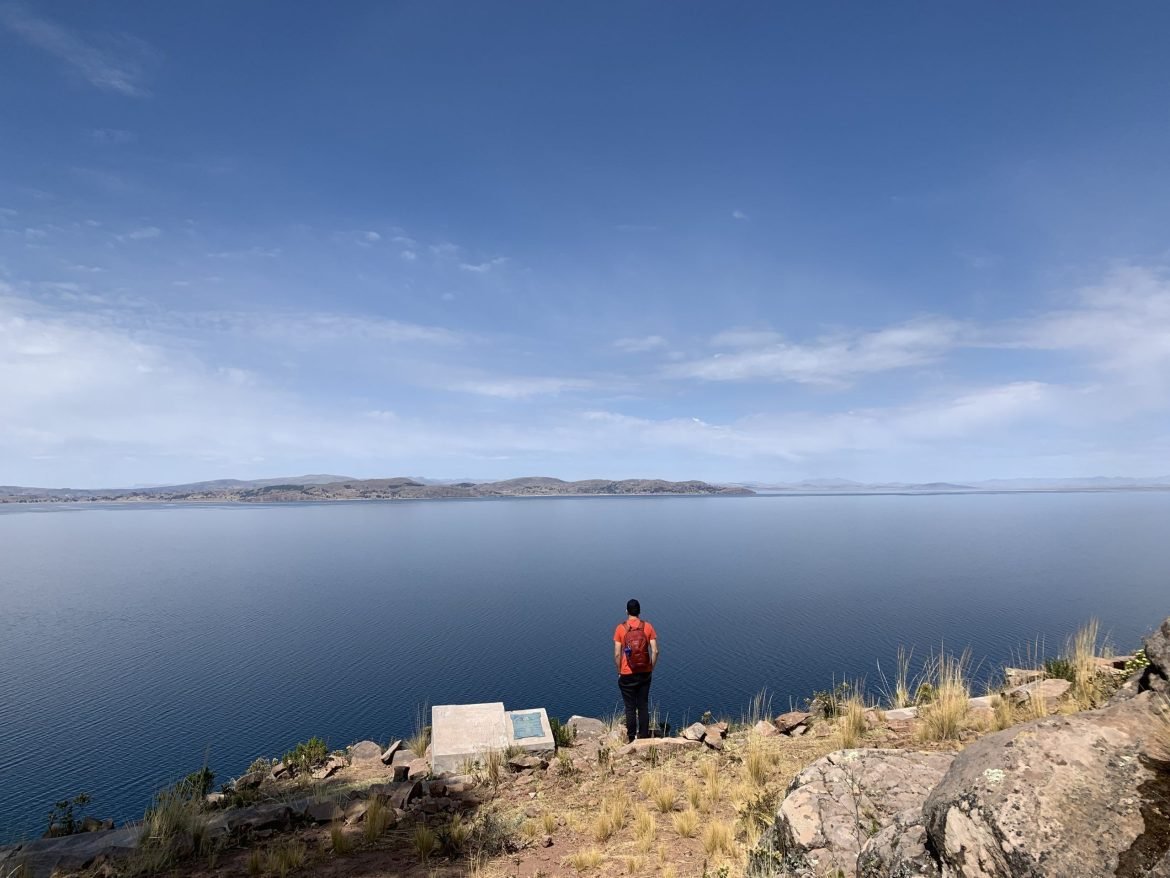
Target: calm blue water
(135, 639)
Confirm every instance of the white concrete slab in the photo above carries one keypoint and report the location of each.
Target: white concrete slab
(462, 732)
(545, 743)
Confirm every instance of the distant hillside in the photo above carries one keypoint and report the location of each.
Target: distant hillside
(845, 486)
(340, 488)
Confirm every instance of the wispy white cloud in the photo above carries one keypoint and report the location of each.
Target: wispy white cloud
(640, 344)
(143, 233)
(833, 360)
(111, 136)
(117, 66)
(484, 267)
(520, 387)
(739, 215)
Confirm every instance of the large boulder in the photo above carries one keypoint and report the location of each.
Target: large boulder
(1157, 646)
(69, 853)
(839, 803)
(365, 751)
(1051, 691)
(1075, 796)
(899, 850)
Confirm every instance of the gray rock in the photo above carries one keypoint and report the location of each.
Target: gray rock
(324, 811)
(1157, 646)
(1052, 691)
(355, 812)
(332, 765)
(418, 769)
(838, 803)
(695, 732)
(643, 746)
(249, 781)
(765, 729)
(794, 719)
(405, 793)
(69, 853)
(587, 727)
(527, 763)
(271, 815)
(403, 757)
(899, 713)
(401, 772)
(714, 736)
(898, 850)
(1074, 796)
(365, 751)
(1015, 677)
(388, 754)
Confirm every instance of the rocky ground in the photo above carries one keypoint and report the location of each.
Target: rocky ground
(1064, 793)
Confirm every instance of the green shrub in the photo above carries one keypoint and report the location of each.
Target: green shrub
(563, 735)
(306, 755)
(828, 703)
(1060, 669)
(1139, 662)
(63, 820)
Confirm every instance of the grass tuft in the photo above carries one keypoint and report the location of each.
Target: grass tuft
(376, 821)
(424, 841)
(548, 822)
(649, 783)
(285, 857)
(644, 829)
(719, 837)
(851, 723)
(339, 839)
(945, 714)
(686, 823)
(586, 859)
(1082, 655)
(664, 798)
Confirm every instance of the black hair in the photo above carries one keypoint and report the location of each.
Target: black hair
(633, 608)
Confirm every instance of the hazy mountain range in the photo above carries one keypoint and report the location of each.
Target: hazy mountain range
(330, 487)
(846, 486)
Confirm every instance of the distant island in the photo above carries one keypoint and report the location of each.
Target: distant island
(322, 487)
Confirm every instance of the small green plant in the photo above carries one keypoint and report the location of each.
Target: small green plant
(418, 742)
(307, 755)
(424, 841)
(339, 839)
(827, 703)
(1060, 669)
(286, 856)
(1139, 662)
(64, 819)
(259, 764)
(562, 734)
(377, 820)
(565, 765)
(453, 837)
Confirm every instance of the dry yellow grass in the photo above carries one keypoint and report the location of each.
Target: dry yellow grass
(548, 822)
(586, 859)
(668, 872)
(633, 865)
(339, 840)
(644, 829)
(757, 761)
(664, 798)
(531, 830)
(718, 837)
(1082, 655)
(945, 716)
(686, 823)
(424, 841)
(376, 821)
(1003, 715)
(695, 794)
(851, 723)
(649, 783)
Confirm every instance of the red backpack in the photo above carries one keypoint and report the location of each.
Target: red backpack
(636, 646)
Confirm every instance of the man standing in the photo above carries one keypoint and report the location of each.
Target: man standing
(635, 653)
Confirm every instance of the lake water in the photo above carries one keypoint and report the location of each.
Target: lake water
(135, 640)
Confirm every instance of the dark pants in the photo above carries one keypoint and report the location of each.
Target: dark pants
(636, 694)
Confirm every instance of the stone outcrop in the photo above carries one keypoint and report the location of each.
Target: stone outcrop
(69, 853)
(1079, 795)
(837, 804)
(1075, 796)
(1051, 691)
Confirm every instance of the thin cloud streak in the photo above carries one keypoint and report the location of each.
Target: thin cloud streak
(117, 72)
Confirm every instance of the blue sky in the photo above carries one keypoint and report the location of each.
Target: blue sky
(909, 241)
